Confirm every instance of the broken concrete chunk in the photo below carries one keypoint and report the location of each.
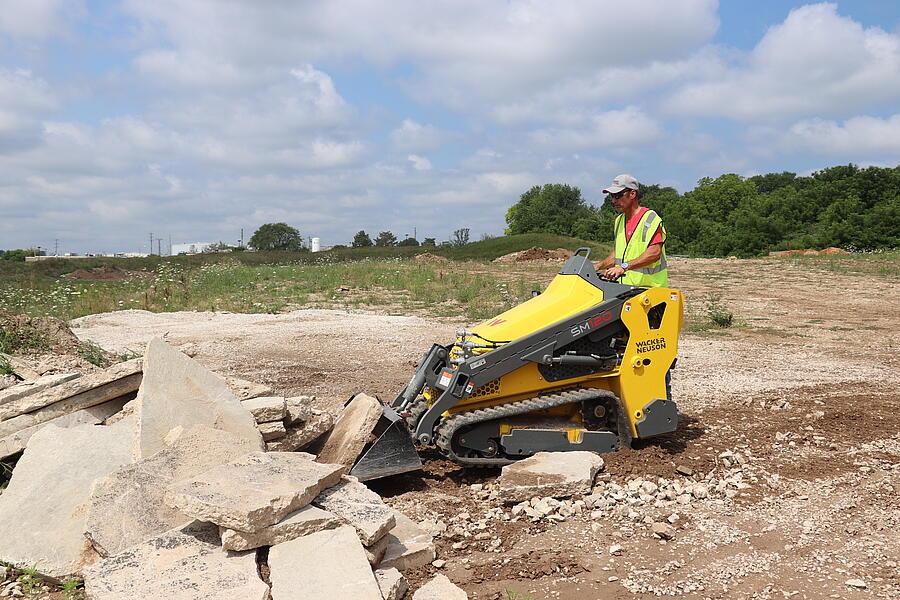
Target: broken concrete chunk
(92, 397)
(298, 438)
(100, 387)
(375, 552)
(359, 507)
(178, 391)
(128, 506)
(272, 431)
(440, 588)
(44, 508)
(308, 519)
(255, 491)
(298, 409)
(181, 564)
(327, 565)
(392, 584)
(553, 474)
(351, 431)
(409, 547)
(266, 408)
(27, 388)
(244, 390)
(16, 442)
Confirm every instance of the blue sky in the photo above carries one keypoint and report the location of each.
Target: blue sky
(197, 119)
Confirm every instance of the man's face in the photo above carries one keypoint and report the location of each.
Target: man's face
(621, 199)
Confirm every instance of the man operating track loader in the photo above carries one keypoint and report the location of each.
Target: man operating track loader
(581, 366)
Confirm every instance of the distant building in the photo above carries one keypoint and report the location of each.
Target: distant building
(315, 245)
(192, 248)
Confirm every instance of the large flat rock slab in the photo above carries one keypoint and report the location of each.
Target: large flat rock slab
(305, 521)
(43, 511)
(179, 392)
(89, 385)
(327, 565)
(181, 564)
(554, 474)
(255, 491)
(27, 388)
(351, 431)
(409, 546)
(359, 507)
(128, 506)
(440, 588)
(16, 442)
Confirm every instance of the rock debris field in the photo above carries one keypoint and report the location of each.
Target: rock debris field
(215, 466)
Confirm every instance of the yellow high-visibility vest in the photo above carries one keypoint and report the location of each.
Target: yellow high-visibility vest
(653, 275)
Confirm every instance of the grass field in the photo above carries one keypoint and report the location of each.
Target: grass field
(272, 282)
(468, 286)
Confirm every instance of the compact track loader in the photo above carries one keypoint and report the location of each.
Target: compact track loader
(581, 366)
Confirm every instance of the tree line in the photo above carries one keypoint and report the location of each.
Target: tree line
(845, 206)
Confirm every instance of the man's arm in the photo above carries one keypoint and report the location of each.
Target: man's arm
(650, 256)
(602, 265)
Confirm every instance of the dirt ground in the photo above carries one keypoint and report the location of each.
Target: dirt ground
(804, 387)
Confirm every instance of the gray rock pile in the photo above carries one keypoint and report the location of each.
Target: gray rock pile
(288, 424)
(174, 496)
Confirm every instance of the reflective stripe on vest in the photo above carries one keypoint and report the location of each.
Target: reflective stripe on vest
(654, 275)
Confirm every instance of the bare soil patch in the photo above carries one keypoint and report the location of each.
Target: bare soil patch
(804, 388)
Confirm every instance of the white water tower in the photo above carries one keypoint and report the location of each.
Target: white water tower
(315, 245)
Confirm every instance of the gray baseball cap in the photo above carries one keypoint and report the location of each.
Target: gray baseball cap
(620, 183)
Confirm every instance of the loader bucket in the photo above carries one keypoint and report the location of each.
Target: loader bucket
(392, 452)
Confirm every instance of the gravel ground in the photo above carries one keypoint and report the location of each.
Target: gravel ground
(804, 390)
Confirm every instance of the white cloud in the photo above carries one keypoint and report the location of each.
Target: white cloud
(37, 18)
(24, 100)
(419, 163)
(462, 49)
(816, 62)
(415, 136)
(857, 137)
(611, 129)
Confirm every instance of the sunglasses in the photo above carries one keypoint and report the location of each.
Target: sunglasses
(618, 195)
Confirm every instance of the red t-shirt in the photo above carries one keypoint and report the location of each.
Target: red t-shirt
(632, 223)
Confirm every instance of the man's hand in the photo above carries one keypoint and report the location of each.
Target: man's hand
(614, 272)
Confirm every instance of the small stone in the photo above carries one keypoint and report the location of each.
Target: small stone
(700, 491)
(439, 563)
(616, 550)
(440, 588)
(409, 547)
(392, 584)
(612, 578)
(663, 531)
(554, 474)
(684, 470)
(272, 431)
(673, 518)
(266, 408)
(857, 583)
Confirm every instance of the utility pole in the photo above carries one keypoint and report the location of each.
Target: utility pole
(242, 237)
(56, 247)
(170, 244)
(158, 247)
(415, 237)
(151, 243)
